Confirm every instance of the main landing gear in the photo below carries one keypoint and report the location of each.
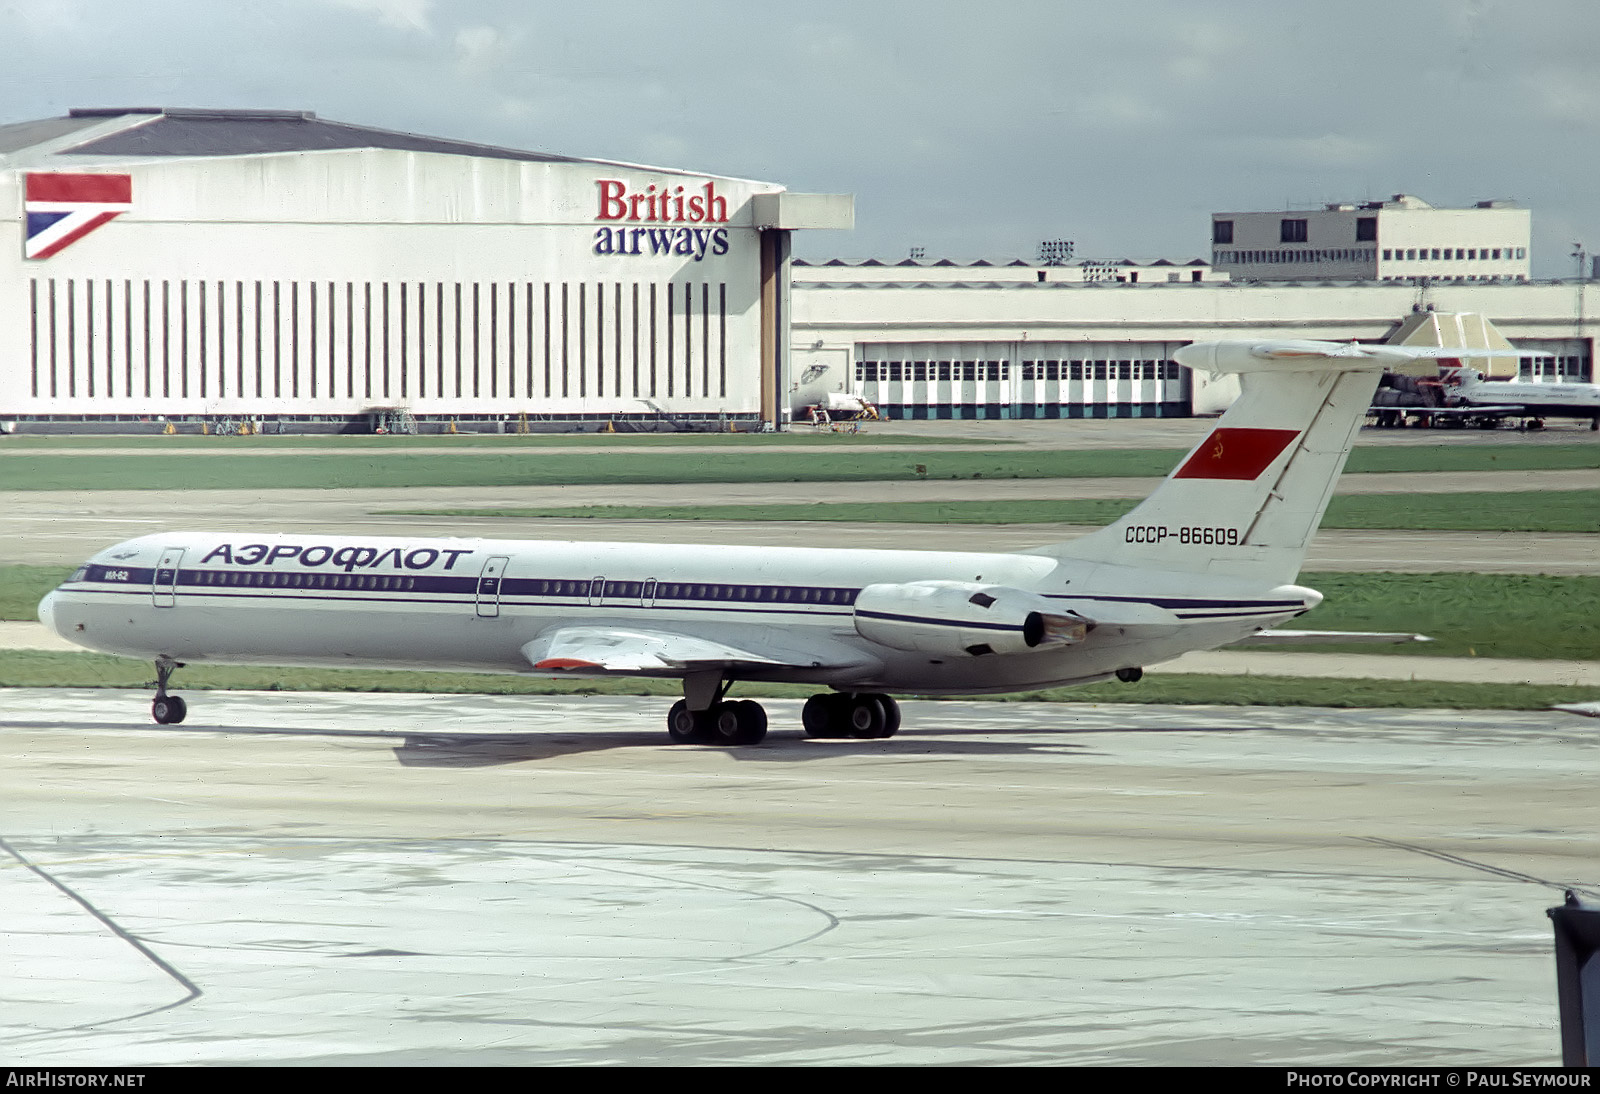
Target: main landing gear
(743, 722)
(705, 716)
(168, 710)
(863, 716)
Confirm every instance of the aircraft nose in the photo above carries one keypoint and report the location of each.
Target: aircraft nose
(47, 611)
(1200, 355)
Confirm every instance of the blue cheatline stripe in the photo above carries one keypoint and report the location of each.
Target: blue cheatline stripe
(209, 580)
(280, 594)
(939, 622)
(573, 592)
(1176, 602)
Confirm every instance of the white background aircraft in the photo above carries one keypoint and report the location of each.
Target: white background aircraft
(1207, 560)
(1523, 398)
(1459, 395)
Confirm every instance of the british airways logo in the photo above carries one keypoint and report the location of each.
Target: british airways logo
(61, 209)
(661, 220)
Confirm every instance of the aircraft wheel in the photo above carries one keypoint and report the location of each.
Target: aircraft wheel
(891, 716)
(818, 716)
(169, 710)
(684, 727)
(864, 717)
(738, 723)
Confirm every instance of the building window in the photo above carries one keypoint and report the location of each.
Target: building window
(1222, 231)
(1366, 229)
(1291, 231)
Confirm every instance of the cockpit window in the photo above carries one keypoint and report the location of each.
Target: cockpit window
(79, 574)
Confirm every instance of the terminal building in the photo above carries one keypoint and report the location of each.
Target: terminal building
(1401, 239)
(274, 267)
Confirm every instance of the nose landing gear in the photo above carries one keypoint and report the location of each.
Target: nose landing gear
(167, 710)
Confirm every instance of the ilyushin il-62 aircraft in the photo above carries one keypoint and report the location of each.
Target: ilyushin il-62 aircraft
(1208, 559)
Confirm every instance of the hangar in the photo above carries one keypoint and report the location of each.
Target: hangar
(924, 338)
(277, 268)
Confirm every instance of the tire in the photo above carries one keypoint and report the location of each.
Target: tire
(891, 716)
(864, 717)
(817, 716)
(169, 710)
(739, 723)
(683, 726)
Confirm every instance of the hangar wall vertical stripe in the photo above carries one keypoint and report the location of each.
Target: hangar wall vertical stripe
(212, 345)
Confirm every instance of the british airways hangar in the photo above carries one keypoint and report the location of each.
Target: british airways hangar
(278, 267)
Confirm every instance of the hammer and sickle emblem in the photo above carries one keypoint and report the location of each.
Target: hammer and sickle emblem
(1216, 453)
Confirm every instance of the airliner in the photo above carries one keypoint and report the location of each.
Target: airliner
(1523, 398)
(1207, 560)
(1460, 395)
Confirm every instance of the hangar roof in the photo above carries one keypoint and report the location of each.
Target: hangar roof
(165, 131)
(153, 131)
(20, 135)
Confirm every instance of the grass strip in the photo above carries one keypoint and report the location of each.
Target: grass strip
(1528, 511)
(1076, 511)
(1466, 615)
(22, 587)
(40, 469)
(1400, 459)
(1477, 511)
(34, 470)
(34, 669)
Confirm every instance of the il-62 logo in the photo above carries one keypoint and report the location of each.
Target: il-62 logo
(662, 220)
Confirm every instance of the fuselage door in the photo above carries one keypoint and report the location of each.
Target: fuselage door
(489, 586)
(164, 584)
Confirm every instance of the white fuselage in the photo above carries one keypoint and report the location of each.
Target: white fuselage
(475, 604)
(1581, 400)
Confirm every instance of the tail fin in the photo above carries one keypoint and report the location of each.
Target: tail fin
(1465, 330)
(1246, 500)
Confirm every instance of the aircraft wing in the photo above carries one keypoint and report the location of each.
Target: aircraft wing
(618, 649)
(1278, 637)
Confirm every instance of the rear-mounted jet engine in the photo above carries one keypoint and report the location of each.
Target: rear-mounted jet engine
(963, 617)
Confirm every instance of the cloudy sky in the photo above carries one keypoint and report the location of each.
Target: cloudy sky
(969, 129)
